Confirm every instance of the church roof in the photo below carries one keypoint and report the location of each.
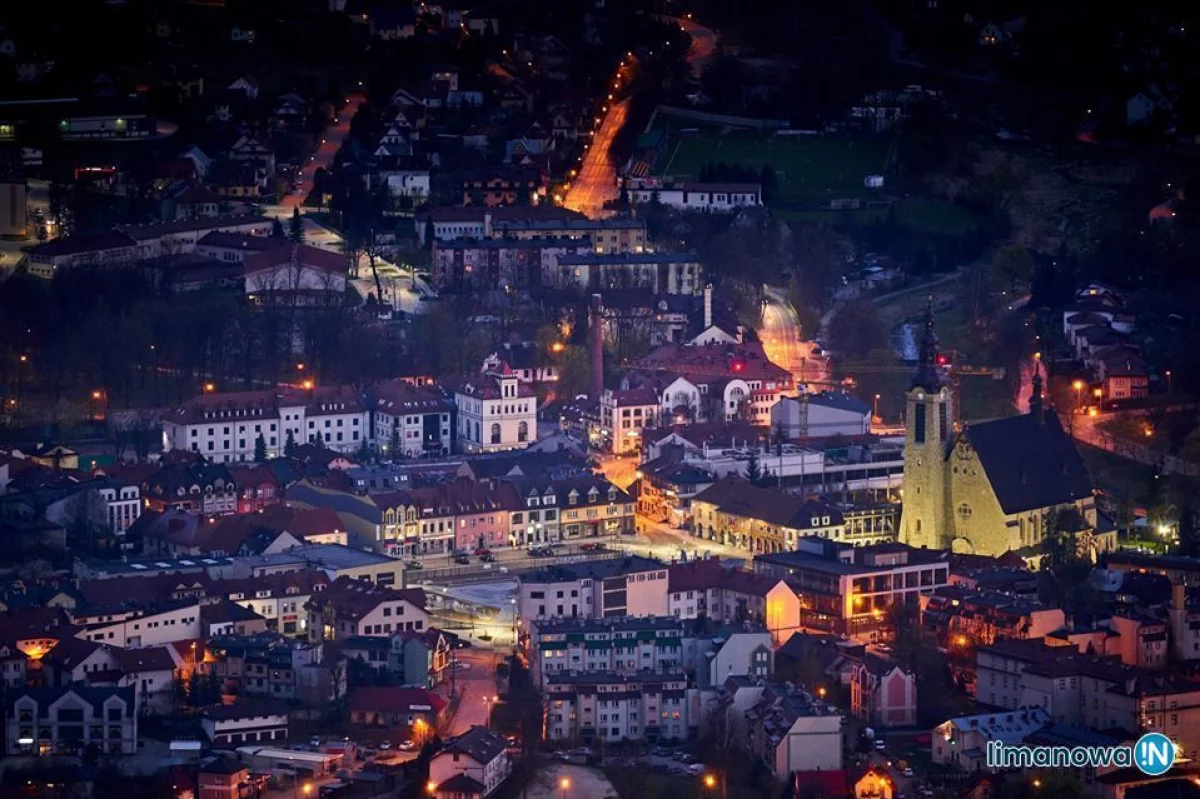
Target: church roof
(1030, 463)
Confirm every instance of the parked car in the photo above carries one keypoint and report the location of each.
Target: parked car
(414, 565)
(907, 772)
(407, 746)
(481, 551)
(487, 557)
(385, 746)
(591, 547)
(462, 559)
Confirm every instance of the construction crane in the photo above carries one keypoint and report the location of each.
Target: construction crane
(951, 363)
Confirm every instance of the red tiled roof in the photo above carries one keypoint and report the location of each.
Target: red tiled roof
(356, 598)
(390, 699)
(302, 254)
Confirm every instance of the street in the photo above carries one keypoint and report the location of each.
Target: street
(475, 684)
(596, 182)
(704, 44)
(783, 340)
(331, 142)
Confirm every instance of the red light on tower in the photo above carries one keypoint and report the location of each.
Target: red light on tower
(738, 366)
(942, 360)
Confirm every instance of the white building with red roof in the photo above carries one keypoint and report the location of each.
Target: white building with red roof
(624, 413)
(496, 412)
(224, 427)
(296, 274)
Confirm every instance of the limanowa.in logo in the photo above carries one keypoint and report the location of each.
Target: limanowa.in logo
(1153, 754)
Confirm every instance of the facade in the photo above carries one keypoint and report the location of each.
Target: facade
(823, 414)
(245, 723)
(697, 196)
(790, 730)
(964, 618)
(410, 421)
(352, 607)
(495, 412)
(134, 629)
(499, 264)
(619, 707)
(470, 766)
(616, 645)
(605, 235)
(623, 416)
(629, 586)
(737, 513)
(882, 694)
(995, 486)
(157, 239)
(962, 742)
(122, 504)
(99, 249)
(847, 590)
(65, 721)
(225, 427)
(414, 711)
(658, 272)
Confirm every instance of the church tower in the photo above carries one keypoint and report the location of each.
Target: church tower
(925, 518)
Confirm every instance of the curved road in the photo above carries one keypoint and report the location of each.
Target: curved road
(704, 44)
(783, 341)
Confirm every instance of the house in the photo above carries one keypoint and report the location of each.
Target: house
(354, 607)
(470, 766)
(662, 272)
(98, 249)
(410, 421)
(245, 722)
(623, 416)
(600, 706)
(150, 625)
(413, 712)
(229, 618)
(790, 730)
(510, 186)
(883, 694)
(593, 590)
(495, 412)
(222, 777)
(234, 248)
(420, 658)
(691, 196)
(43, 722)
(296, 274)
(962, 742)
(530, 366)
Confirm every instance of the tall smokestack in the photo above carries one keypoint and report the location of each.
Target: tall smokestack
(708, 306)
(596, 320)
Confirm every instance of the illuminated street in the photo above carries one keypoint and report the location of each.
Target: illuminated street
(596, 182)
(783, 340)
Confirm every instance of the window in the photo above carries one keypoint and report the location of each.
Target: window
(523, 431)
(919, 424)
(495, 434)
(964, 511)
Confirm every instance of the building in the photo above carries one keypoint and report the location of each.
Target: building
(963, 618)
(66, 721)
(415, 711)
(708, 589)
(847, 590)
(883, 694)
(420, 658)
(628, 586)
(470, 766)
(226, 427)
(736, 513)
(410, 421)
(689, 196)
(496, 412)
(97, 249)
(825, 414)
(447, 517)
(501, 264)
(657, 272)
(666, 488)
(995, 486)
(962, 742)
(245, 722)
(790, 730)
(136, 626)
(499, 187)
(222, 778)
(623, 416)
(122, 503)
(481, 222)
(649, 706)
(297, 275)
(157, 239)
(13, 190)
(625, 645)
(234, 248)
(612, 235)
(354, 607)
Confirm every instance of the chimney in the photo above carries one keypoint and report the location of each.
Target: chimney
(1178, 596)
(708, 306)
(1036, 408)
(597, 348)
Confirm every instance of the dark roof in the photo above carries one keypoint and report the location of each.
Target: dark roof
(156, 230)
(225, 611)
(839, 401)
(244, 710)
(390, 699)
(461, 784)
(1030, 463)
(478, 743)
(94, 696)
(737, 496)
(92, 242)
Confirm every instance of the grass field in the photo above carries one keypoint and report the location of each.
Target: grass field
(806, 168)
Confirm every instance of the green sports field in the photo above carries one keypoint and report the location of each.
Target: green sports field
(806, 168)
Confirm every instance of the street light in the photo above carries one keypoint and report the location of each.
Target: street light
(210, 388)
(875, 411)
(710, 781)
(431, 787)
(1168, 373)
(565, 785)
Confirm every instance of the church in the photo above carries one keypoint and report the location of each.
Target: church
(994, 486)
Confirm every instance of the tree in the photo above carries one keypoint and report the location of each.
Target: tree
(856, 329)
(289, 446)
(754, 472)
(1189, 534)
(260, 449)
(277, 231)
(296, 228)
(1014, 263)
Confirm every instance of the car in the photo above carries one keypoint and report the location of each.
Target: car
(414, 565)
(591, 547)
(487, 557)
(385, 746)
(907, 772)
(462, 559)
(407, 746)
(483, 551)
(879, 744)
(314, 741)
(562, 757)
